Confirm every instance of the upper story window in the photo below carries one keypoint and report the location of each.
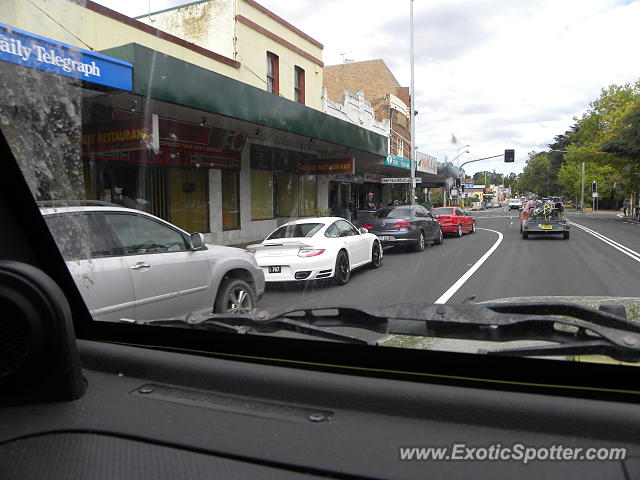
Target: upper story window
(298, 87)
(400, 147)
(273, 83)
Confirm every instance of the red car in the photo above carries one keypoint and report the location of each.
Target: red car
(454, 220)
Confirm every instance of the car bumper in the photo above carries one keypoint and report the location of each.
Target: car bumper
(396, 237)
(306, 269)
(449, 228)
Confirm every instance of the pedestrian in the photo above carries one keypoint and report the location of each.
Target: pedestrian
(625, 206)
(371, 205)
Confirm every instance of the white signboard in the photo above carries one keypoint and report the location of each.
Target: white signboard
(426, 163)
(400, 180)
(372, 177)
(594, 194)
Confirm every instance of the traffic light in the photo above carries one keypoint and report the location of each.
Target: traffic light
(458, 182)
(594, 187)
(509, 156)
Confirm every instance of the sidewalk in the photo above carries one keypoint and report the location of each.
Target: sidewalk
(611, 215)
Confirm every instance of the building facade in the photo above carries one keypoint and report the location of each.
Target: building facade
(390, 104)
(197, 144)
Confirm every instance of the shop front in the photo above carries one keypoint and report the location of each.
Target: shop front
(161, 163)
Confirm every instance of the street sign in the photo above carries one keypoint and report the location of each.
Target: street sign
(594, 194)
(400, 180)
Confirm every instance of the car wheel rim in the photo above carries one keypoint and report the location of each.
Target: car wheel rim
(343, 268)
(421, 241)
(376, 254)
(459, 231)
(238, 301)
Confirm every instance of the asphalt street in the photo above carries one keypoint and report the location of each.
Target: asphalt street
(601, 258)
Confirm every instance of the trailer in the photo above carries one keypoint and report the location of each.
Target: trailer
(544, 218)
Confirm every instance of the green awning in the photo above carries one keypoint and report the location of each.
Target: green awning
(169, 79)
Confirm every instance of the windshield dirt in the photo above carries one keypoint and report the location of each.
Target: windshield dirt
(165, 141)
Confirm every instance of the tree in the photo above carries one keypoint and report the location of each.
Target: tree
(536, 176)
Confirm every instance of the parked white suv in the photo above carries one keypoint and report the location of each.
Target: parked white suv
(131, 264)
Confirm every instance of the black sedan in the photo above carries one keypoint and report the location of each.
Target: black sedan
(405, 225)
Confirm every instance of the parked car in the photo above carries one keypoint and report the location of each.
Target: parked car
(477, 206)
(131, 264)
(316, 248)
(454, 220)
(405, 225)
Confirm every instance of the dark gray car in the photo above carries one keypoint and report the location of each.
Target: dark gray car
(405, 225)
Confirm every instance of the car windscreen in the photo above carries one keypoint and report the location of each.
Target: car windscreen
(393, 213)
(299, 230)
(443, 211)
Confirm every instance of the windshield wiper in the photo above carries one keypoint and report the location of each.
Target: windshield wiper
(573, 329)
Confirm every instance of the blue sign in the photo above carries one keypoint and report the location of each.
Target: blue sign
(468, 185)
(33, 51)
(396, 161)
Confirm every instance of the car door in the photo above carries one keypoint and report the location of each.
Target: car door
(357, 245)
(427, 221)
(463, 219)
(95, 261)
(169, 278)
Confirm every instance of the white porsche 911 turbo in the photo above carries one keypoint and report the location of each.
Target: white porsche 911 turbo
(315, 249)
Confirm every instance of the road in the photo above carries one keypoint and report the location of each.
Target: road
(495, 262)
(541, 265)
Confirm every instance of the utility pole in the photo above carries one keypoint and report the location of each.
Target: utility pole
(412, 106)
(582, 194)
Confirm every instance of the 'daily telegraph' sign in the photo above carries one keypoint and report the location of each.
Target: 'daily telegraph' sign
(33, 51)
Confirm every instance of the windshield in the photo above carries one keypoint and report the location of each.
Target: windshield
(393, 213)
(166, 140)
(444, 211)
(299, 230)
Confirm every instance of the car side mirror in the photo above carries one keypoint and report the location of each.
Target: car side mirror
(197, 241)
(363, 230)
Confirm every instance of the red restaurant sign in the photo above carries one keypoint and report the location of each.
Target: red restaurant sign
(324, 166)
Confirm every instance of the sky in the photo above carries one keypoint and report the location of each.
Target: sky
(491, 74)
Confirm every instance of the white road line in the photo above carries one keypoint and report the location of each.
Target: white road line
(618, 246)
(461, 281)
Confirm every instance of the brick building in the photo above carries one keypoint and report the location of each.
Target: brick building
(390, 102)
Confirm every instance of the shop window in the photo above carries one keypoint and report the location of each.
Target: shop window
(286, 194)
(230, 200)
(189, 195)
(261, 194)
(308, 194)
(273, 74)
(299, 85)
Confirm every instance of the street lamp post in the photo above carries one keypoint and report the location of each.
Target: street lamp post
(412, 100)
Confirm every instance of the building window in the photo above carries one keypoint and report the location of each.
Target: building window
(299, 85)
(261, 194)
(308, 194)
(230, 200)
(287, 194)
(273, 83)
(400, 147)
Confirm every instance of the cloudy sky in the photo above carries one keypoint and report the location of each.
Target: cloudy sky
(494, 74)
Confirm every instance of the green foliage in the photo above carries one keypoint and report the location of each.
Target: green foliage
(607, 139)
(436, 196)
(537, 176)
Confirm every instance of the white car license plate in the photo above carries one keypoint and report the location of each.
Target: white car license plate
(277, 269)
(384, 237)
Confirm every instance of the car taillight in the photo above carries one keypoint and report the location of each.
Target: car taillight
(367, 226)
(402, 223)
(310, 252)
